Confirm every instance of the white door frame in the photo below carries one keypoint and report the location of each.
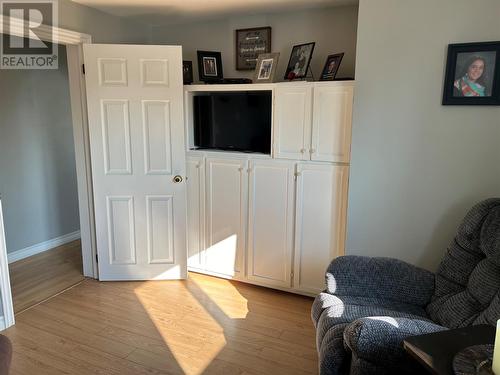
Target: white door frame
(74, 48)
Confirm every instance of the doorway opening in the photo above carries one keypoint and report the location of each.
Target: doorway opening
(38, 183)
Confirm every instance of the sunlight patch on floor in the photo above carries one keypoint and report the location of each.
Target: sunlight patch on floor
(213, 304)
(231, 302)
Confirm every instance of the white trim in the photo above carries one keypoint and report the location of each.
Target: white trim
(2, 323)
(45, 32)
(6, 295)
(42, 246)
(81, 136)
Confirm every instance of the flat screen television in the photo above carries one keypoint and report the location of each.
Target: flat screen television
(233, 121)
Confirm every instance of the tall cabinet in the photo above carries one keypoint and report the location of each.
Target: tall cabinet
(276, 220)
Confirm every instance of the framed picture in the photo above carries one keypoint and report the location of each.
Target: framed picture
(187, 72)
(250, 43)
(331, 67)
(209, 66)
(300, 58)
(266, 68)
(472, 74)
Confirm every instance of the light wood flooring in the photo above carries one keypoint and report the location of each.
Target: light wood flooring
(203, 325)
(41, 276)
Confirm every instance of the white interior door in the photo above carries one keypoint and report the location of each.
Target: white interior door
(6, 305)
(135, 106)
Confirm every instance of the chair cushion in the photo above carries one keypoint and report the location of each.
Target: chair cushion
(329, 311)
(378, 343)
(468, 278)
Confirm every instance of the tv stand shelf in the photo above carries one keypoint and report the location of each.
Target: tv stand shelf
(230, 87)
(259, 86)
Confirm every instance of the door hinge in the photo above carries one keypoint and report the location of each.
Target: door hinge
(83, 69)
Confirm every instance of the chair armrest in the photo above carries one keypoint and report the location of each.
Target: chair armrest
(380, 339)
(384, 278)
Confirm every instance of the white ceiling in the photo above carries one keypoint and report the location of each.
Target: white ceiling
(178, 11)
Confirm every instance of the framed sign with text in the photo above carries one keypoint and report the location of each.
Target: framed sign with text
(250, 43)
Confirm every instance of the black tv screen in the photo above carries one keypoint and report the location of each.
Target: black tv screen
(233, 121)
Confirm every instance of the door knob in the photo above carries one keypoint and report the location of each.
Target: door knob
(177, 179)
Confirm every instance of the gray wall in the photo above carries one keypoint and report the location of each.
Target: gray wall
(103, 27)
(333, 30)
(37, 158)
(417, 166)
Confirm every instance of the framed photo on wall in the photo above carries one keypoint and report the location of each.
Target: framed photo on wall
(209, 66)
(300, 58)
(266, 68)
(187, 72)
(472, 74)
(331, 67)
(250, 43)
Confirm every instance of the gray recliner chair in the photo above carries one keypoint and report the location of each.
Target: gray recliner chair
(371, 305)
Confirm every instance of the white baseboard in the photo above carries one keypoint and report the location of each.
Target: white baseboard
(2, 323)
(42, 246)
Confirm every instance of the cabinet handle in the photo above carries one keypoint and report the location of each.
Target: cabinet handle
(240, 169)
(302, 150)
(312, 151)
(197, 166)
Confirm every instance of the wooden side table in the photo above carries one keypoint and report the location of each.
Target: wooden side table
(436, 350)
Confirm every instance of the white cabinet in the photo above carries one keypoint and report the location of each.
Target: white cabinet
(196, 211)
(226, 210)
(331, 128)
(270, 222)
(275, 221)
(320, 220)
(292, 122)
(313, 121)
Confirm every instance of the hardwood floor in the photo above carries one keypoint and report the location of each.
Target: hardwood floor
(203, 325)
(41, 276)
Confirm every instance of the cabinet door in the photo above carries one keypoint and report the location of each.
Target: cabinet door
(270, 224)
(331, 131)
(196, 211)
(227, 184)
(321, 202)
(292, 122)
